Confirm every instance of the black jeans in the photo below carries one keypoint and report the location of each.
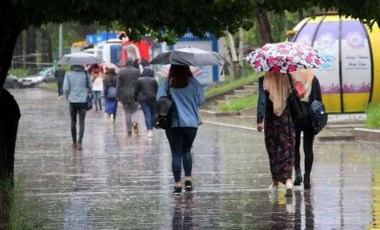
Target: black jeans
(181, 140)
(75, 110)
(308, 140)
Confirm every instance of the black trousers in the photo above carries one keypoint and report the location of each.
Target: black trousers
(77, 109)
(308, 141)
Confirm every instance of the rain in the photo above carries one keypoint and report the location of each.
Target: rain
(124, 182)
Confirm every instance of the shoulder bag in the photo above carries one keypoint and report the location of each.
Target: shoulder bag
(164, 105)
(318, 116)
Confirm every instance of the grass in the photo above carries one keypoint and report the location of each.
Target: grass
(373, 116)
(15, 198)
(239, 104)
(232, 85)
(50, 85)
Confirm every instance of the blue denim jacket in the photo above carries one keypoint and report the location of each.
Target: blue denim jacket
(186, 100)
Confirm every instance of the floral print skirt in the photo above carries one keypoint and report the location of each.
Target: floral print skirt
(280, 144)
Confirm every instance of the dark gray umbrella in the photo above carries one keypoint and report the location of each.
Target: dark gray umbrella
(189, 56)
(80, 58)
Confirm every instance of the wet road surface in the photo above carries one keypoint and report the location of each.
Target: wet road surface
(123, 182)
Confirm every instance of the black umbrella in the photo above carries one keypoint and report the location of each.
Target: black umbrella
(189, 56)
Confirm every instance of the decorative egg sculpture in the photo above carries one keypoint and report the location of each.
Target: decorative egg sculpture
(350, 77)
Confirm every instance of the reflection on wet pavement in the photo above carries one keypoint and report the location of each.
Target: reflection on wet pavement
(123, 182)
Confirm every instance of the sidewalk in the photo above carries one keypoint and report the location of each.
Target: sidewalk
(124, 182)
(339, 127)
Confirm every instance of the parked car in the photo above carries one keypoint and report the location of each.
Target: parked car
(37, 76)
(11, 81)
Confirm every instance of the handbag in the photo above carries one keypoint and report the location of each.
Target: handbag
(89, 102)
(297, 109)
(318, 115)
(89, 95)
(164, 107)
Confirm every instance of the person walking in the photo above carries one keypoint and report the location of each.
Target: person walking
(59, 75)
(274, 114)
(97, 86)
(125, 94)
(109, 85)
(187, 95)
(76, 87)
(145, 94)
(308, 88)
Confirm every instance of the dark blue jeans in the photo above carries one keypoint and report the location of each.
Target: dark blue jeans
(181, 140)
(97, 99)
(77, 109)
(148, 110)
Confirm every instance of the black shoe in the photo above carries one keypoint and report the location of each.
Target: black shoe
(306, 182)
(298, 179)
(188, 186)
(177, 190)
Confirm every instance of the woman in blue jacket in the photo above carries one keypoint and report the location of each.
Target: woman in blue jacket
(187, 94)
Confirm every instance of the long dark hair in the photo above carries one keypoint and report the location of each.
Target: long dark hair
(179, 76)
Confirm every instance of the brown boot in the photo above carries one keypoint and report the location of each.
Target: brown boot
(136, 128)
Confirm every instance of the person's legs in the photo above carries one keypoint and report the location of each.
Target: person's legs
(97, 100)
(60, 88)
(187, 161)
(176, 139)
(297, 158)
(128, 118)
(147, 115)
(73, 115)
(308, 141)
(82, 116)
(188, 139)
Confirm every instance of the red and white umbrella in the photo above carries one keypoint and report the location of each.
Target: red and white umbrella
(284, 57)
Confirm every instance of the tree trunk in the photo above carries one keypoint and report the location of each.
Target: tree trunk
(46, 54)
(9, 116)
(31, 48)
(18, 55)
(263, 26)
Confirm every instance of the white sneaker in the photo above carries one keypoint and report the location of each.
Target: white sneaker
(289, 188)
(149, 134)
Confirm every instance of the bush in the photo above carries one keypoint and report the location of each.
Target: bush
(373, 116)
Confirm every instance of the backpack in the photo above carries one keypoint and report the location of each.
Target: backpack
(111, 93)
(318, 116)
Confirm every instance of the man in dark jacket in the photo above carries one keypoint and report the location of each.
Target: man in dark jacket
(145, 94)
(59, 75)
(125, 88)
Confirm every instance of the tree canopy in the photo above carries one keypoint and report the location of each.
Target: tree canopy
(163, 19)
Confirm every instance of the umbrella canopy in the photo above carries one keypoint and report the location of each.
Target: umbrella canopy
(284, 57)
(189, 56)
(164, 71)
(80, 58)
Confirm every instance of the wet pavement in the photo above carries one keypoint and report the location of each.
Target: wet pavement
(122, 182)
